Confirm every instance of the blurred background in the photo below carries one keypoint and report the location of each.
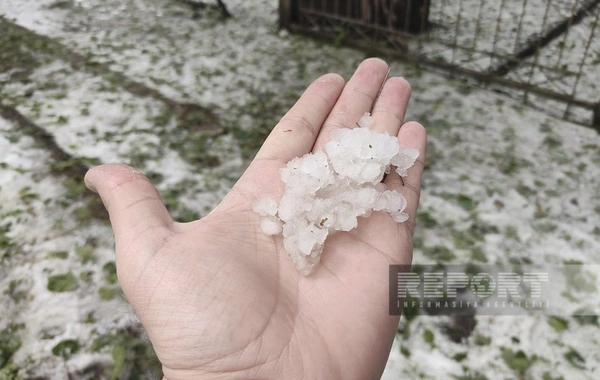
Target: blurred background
(187, 91)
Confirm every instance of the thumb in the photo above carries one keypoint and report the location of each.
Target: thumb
(139, 218)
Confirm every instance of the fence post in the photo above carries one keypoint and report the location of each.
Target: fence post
(596, 118)
(419, 16)
(285, 16)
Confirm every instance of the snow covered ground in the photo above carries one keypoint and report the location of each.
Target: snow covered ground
(504, 183)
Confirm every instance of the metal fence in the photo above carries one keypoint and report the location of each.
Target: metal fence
(544, 51)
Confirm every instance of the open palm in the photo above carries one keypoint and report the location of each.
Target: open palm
(221, 300)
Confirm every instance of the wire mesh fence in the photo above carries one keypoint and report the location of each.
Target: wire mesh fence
(545, 51)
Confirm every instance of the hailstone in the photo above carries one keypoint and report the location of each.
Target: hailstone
(329, 190)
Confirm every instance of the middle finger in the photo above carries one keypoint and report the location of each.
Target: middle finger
(357, 98)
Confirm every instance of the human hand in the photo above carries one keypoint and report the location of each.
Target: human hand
(220, 300)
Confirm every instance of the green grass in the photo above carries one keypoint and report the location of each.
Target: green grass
(59, 283)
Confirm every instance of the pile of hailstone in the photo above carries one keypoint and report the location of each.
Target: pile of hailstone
(327, 191)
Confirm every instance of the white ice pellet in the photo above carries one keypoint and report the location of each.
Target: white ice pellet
(265, 207)
(270, 225)
(366, 121)
(405, 160)
(328, 190)
(400, 217)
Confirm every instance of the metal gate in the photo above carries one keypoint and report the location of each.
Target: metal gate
(544, 51)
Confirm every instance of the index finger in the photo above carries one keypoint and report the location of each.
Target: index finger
(296, 132)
